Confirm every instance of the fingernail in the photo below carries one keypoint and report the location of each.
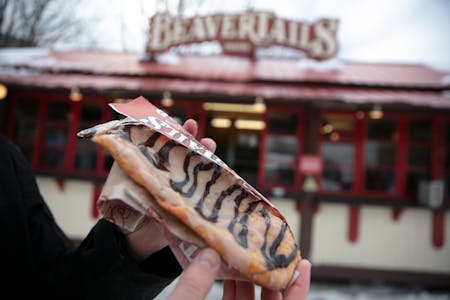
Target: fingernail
(208, 258)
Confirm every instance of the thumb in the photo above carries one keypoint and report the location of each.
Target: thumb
(198, 278)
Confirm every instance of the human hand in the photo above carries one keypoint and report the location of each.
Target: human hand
(235, 290)
(197, 280)
(149, 239)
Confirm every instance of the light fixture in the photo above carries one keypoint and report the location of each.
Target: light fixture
(3, 91)
(259, 105)
(249, 124)
(75, 94)
(232, 107)
(167, 100)
(121, 100)
(327, 128)
(376, 113)
(221, 122)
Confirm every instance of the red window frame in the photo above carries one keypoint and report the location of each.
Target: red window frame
(437, 145)
(44, 99)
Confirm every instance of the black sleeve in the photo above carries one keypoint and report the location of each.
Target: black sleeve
(101, 269)
(41, 256)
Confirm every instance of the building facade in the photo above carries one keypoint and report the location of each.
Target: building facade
(356, 155)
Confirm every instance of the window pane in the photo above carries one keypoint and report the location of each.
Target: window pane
(281, 148)
(86, 151)
(25, 124)
(86, 155)
(447, 186)
(380, 180)
(91, 112)
(382, 130)
(55, 135)
(379, 154)
(279, 175)
(57, 111)
(419, 156)
(333, 153)
(282, 122)
(336, 179)
(419, 131)
(414, 179)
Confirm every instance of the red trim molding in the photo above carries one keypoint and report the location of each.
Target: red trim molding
(438, 220)
(353, 223)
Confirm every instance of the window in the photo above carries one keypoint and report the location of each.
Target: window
(25, 124)
(55, 135)
(237, 145)
(380, 154)
(281, 149)
(86, 150)
(419, 145)
(338, 151)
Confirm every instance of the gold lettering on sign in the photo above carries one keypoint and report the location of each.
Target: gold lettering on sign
(241, 33)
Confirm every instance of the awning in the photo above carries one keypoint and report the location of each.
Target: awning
(274, 91)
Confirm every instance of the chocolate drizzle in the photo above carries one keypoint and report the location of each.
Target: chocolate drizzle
(268, 249)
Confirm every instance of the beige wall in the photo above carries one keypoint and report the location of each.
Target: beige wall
(71, 206)
(383, 243)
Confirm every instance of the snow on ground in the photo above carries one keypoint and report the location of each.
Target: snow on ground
(344, 291)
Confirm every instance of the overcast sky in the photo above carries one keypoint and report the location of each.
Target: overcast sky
(402, 31)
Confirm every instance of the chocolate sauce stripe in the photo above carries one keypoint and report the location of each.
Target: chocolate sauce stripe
(160, 160)
(218, 203)
(199, 205)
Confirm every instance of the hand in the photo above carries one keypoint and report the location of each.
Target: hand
(149, 239)
(234, 290)
(197, 280)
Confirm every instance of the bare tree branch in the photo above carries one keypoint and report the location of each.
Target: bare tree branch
(38, 22)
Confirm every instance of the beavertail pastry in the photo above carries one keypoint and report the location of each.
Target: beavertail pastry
(194, 189)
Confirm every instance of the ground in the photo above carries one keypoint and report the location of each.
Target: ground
(347, 291)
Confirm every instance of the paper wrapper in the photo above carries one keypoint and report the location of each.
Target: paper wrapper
(131, 207)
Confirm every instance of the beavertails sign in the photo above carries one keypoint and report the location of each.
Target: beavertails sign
(240, 34)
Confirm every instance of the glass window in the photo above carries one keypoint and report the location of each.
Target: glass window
(279, 175)
(419, 131)
(86, 150)
(282, 148)
(55, 135)
(336, 178)
(419, 137)
(25, 124)
(238, 147)
(380, 155)
(419, 155)
(282, 122)
(338, 151)
(384, 129)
